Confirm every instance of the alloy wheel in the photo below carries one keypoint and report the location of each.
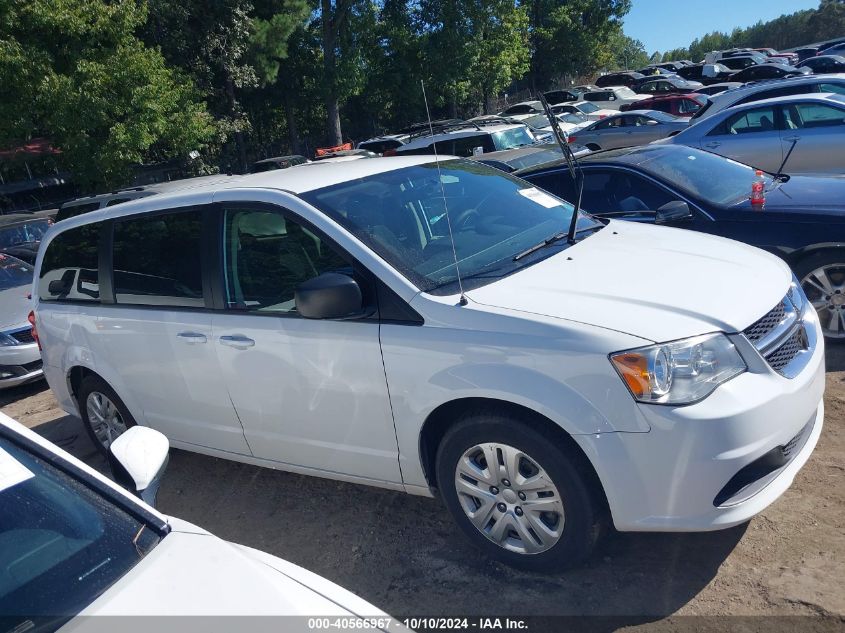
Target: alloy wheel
(104, 418)
(825, 289)
(509, 498)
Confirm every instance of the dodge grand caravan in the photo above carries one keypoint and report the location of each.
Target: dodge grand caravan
(325, 323)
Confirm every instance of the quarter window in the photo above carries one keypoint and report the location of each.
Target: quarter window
(69, 270)
(266, 256)
(157, 260)
(834, 88)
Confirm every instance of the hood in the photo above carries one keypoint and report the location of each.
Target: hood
(656, 283)
(14, 307)
(816, 198)
(199, 574)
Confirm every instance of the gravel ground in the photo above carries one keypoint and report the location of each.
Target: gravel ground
(402, 553)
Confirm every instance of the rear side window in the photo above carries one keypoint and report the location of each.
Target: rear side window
(748, 122)
(69, 271)
(157, 260)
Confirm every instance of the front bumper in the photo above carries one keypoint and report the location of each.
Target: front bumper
(682, 475)
(19, 364)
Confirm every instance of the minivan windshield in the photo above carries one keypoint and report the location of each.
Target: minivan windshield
(61, 544)
(402, 216)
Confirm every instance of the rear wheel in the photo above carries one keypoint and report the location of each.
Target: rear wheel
(822, 278)
(520, 496)
(105, 416)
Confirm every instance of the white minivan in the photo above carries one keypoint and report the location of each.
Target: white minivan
(322, 321)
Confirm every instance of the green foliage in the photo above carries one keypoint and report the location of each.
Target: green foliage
(572, 38)
(73, 70)
(628, 53)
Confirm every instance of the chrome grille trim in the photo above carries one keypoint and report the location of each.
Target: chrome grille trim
(783, 339)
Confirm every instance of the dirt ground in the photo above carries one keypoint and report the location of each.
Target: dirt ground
(402, 553)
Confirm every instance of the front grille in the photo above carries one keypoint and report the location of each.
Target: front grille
(784, 354)
(759, 329)
(780, 336)
(23, 336)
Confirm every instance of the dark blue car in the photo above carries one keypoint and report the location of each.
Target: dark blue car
(802, 220)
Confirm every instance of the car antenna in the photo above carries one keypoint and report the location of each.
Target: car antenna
(463, 300)
(571, 161)
(779, 173)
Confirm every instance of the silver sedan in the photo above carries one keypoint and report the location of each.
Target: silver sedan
(763, 133)
(20, 360)
(635, 127)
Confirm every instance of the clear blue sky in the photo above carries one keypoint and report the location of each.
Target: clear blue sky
(662, 25)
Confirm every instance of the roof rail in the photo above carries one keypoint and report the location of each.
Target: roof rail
(438, 127)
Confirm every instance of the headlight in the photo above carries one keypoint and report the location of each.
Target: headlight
(5, 340)
(681, 372)
(796, 295)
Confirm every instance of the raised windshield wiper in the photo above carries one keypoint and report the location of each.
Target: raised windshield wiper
(546, 242)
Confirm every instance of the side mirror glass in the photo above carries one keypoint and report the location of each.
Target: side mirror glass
(329, 296)
(137, 459)
(673, 212)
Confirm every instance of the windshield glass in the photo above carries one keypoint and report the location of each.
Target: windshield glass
(14, 273)
(714, 178)
(587, 108)
(61, 544)
(23, 233)
(401, 216)
(538, 121)
(516, 137)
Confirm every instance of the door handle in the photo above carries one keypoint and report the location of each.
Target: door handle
(712, 144)
(794, 137)
(192, 338)
(237, 341)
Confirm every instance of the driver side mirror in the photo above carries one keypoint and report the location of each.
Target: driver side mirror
(138, 459)
(673, 212)
(329, 296)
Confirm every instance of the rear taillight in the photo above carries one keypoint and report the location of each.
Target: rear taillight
(389, 152)
(571, 139)
(31, 319)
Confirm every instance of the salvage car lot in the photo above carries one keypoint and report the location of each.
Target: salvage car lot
(403, 553)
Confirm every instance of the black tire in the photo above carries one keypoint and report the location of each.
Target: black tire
(94, 384)
(837, 275)
(583, 512)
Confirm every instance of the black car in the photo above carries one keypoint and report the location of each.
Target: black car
(667, 85)
(739, 63)
(825, 64)
(767, 71)
(628, 79)
(696, 73)
(554, 97)
(802, 220)
(806, 52)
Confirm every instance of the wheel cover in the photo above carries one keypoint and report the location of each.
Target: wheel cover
(104, 418)
(825, 289)
(509, 498)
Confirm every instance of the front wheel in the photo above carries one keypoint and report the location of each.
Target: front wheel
(105, 416)
(822, 278)
(519, 496)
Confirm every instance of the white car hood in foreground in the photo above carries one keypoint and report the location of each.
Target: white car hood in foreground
(653, 282)
(191, 572)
